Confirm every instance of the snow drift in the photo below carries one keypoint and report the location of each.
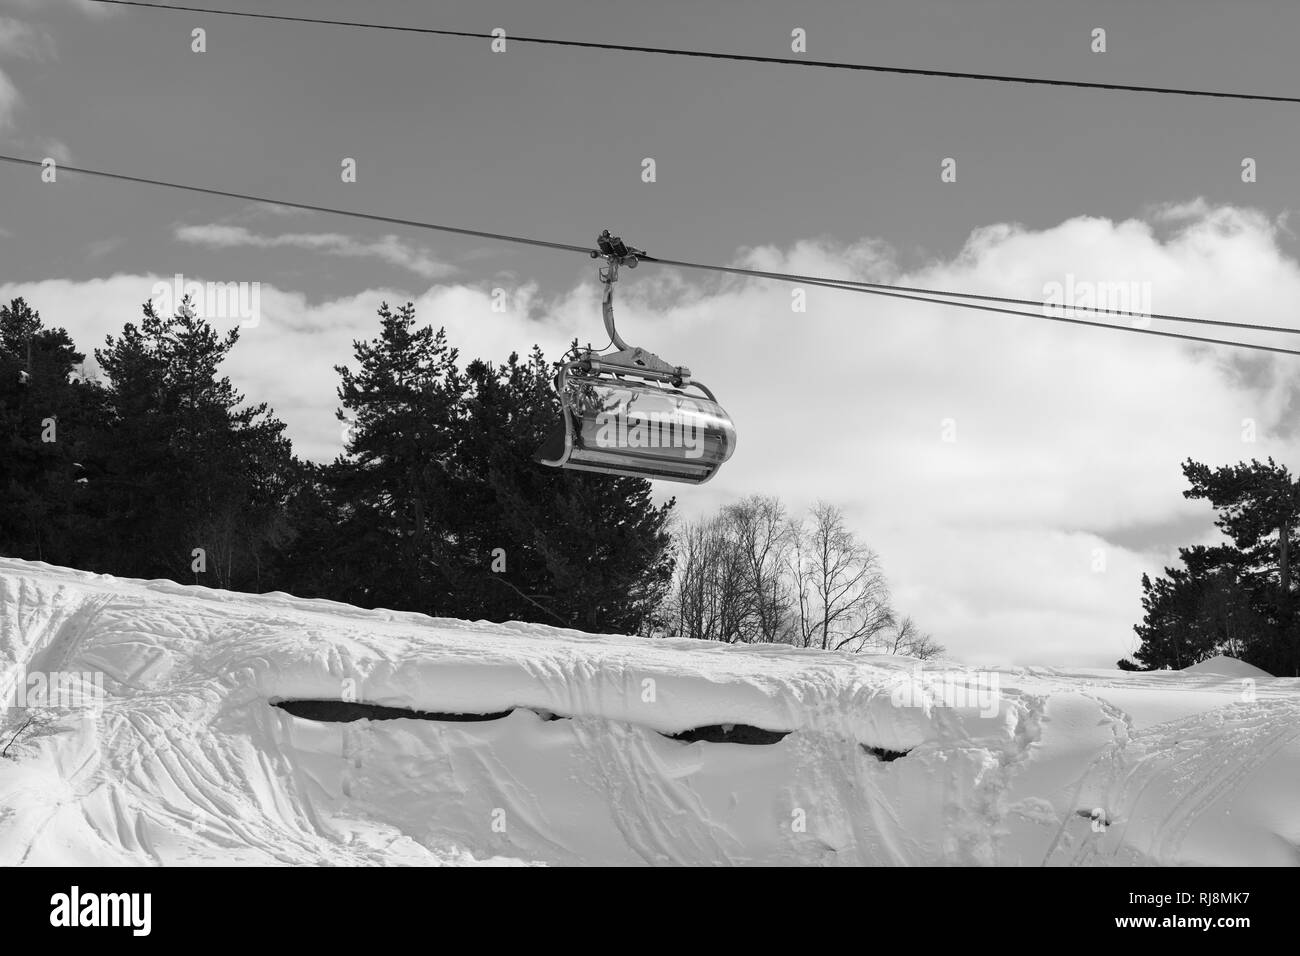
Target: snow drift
(1226, 667)
(186, 759)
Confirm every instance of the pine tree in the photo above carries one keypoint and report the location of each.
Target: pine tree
(584, 550)
(403, 403)
(1257, 504)
(186, 475)
(1234, 598)
(46, 417)
(438, 505)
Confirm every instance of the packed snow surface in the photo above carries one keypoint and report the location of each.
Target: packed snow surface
(1226, 667)
(184, 759)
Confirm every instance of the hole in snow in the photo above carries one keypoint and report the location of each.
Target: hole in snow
(730, 734)
(341, 711)
(880, 753)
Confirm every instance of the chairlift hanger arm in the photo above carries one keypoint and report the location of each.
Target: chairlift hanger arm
(616, 252)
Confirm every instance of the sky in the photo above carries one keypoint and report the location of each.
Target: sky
(1016, 476)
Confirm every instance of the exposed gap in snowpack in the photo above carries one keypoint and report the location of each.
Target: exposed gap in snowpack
(880, 753)
(342, 712)
(730, 734)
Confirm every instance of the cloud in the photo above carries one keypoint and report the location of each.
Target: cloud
(21, 39)
(56, 150)
(10, 100)
(390, 248)
(99, 248)
(88, 7)
(40, 147)
(264, 210)
(1190, 210)
(1007, 470)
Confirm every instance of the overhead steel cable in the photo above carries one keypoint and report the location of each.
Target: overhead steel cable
(842, 284)
(705, 54)
(894, 289)
(390, 220)
(835, 284)
(568, 247)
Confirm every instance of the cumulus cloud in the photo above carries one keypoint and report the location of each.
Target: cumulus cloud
(1006, 469)
(99, 248)
(10, 100)
(88, 7)
(391, 249)
(19, 40)
(56, 150)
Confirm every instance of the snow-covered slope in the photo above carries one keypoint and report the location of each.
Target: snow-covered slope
(189, 762)
(1226, 667)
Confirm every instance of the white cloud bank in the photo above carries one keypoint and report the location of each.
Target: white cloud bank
(18, 40)
(390, 249)
(996, 541)
(10, 100)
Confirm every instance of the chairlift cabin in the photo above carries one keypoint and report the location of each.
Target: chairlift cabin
(628, 412)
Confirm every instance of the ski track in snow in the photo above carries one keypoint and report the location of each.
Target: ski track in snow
(188, 763)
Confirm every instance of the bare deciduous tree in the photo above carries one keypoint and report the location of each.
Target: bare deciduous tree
(762, 537)
(907, 640)
(707, 600)
(842, 595)
(750, 574)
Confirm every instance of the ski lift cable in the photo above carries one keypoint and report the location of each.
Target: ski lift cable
(705, 54)
(832, 284)
(568, 247)
(920, 290)
(842, 284)
(390, 220)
